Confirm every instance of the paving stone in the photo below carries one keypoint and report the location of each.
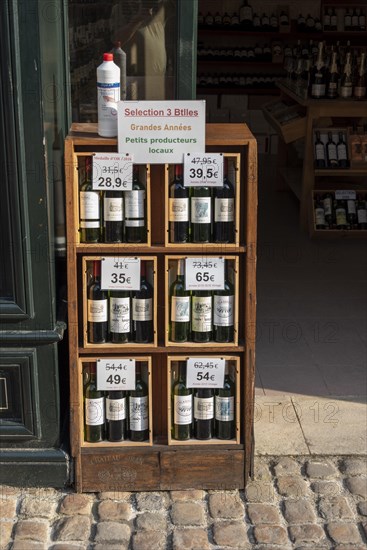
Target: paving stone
(263, 513)
(354, 466)
(29, 545)
(31, 530)
(320, 469)
(108, 510)
(6, 528)
(286, 466)
(149, 540)
(113, 532)
(190, 539)
(7, 491)
(364, 527)
(150, 521)
(76, 504)
(292, 486)
(335, 508)
(261, 471)
(259, 491)
(102, 546)
(187, 513)
(357, 486)
(73, 528)
(68, 546)
(224, 505)
(230, 533)
(349, 547)
(298, 511)
(326, 488)
(362, 508)
(306, 534)
(44, 493)
(270, 534)
(7, 508)
(151, 501)
(114, 495)
(192, 494)
(343, 532)
(37, 508)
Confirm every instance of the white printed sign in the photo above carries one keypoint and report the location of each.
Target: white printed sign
(205, 273)
(205, 372)
(203, 169)
(118, 273)
(112, 172)
(115, 374)
(346, 195)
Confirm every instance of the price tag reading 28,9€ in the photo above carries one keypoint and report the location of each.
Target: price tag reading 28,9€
(205, 372)
(203, 169)
(112, 172)
(115, 374)
(205, 273)
(119, 273)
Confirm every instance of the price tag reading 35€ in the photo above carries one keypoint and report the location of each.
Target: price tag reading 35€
(112, 172)
(204, 273)
(203, 169)
(115, 374)
(205, 372)
(119, 273)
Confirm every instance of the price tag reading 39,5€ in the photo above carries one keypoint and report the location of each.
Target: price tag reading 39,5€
(203, 169)
(205, 372)
(204, 273)
(115, 374)
(119, 273)
(112, 172)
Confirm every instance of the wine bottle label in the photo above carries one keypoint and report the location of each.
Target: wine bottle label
(362, 215)
(224, 210)
(120, 315)
(116, 409)
(341, 217)
(347, 20)
(224, 408)
(320, 151)
(134, 203)
(320, 216)
(318, 90)
(332, 152)
(362, 21)
(182, 409)
(327, 206)
(203, 408)
(134, 223)
(138, 413)
(223, 310)
(113, 210)
(178, 210)
(246, 13)
(333, 20)
(333, 86)
(283, 19)
(142, 309)
(327, 19)
(97, 311)
(360, 91)
(201, 313)
(180, 309)
(200, 209)
(355, 20)
(90, 225)
(89, 205)
(351, 207)
(342, 152)
(346, 90)
(94, 411)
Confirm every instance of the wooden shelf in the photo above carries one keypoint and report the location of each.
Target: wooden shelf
(231, 62)
(238, 90)
(294, 34)
(123, 349)
(341, 172)
(136, 249)
(345, 104)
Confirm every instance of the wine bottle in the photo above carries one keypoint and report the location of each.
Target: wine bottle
(319, 152)
(333, 78)
(223, 312)
(361, 80)
(346, 83)
(361, 213)
(96, 308)
(209, 19)
(178, 209)
(226, 21)
(362, 21)
(328, 209)
(94, 413)
(327, 20)
(135, 211)
(217, 19)
(201, 316)
(341, 214)
(224, 210)
(265, 22)
(283, 19)
(351, 213)
(139, 408)
(89, 208)
(333, 20)
(246, 15)
(355, 20)
(301, 23)
(179, 307)
(318, 75)
(320, 221)
(182, 406)
(224, 408)
(342, 153)
(143, 310)
(331, 154)
(116, 415)
(201, 214)
(348, 20)
(120, 316)
(113, 217)
(203, 413)
(310, 23)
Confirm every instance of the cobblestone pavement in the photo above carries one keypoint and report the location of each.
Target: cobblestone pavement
(292, 503)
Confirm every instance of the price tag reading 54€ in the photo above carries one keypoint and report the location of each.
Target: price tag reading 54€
(119, 273)
(115, 374)
(205, 372)
(204, 273)
(112, 172)
(203, 169)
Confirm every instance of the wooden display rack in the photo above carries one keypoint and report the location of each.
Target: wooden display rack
(158, 465)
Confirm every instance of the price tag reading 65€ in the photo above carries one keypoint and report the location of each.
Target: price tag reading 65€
(205, 372)
(205, 273)
(203, 169)
(115, 374)
(112, 172)
(118, 273)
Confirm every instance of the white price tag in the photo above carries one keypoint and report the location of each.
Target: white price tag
(112, 172)
(203, 169)
(205, 273)
(118, 273)
(205, 372)
(345, 195)
(115, 374)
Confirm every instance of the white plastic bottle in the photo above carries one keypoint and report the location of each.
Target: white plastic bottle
(119, 57)
(108, 94)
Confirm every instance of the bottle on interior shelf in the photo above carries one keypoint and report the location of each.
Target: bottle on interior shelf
(362, 21)
(361, 213)
(327, 19)
(209, 19)
(346, 82)
(320, 221)
(225, 408)
(320, 160)
(94, 408)
(246, 15)
(89, 208)
(223, 311)
(113, 217)
(318, 75)
(116, 415)
(333, 78)
(203, 413)
(333, 20)
(120, 316)
(182, 406)
(235, 20)
(217, 19)
(341, 214)
(139, 408)
(201, 214)
(265, 22)
(224, 209)
(355, 19)
(179, 329)
(201, 316)
(135, 211)
(178, 208)
(360, 85)
(331, 154)
(96, 308)
(226, 21)
(310, 23)
(283, 19)
(142, 310)
(351, 213)
(348, 20)
(327, 202)
(342, 152)
(301, 23)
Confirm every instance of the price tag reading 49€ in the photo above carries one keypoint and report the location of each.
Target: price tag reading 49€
(115, 374)
(205, 372)
(203, 169)
(112, 172)
(118, 273)
(204, 273)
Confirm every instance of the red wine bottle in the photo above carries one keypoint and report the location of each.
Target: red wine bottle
(113, 217)
(178, 209)
(224, 210)
(224, 408)
(142, 313)
(97, 308)
(89, 208)
(139, 408)
(120, 316)
(116, 415)
(94, 416)
(203, 413)
(135, 211)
